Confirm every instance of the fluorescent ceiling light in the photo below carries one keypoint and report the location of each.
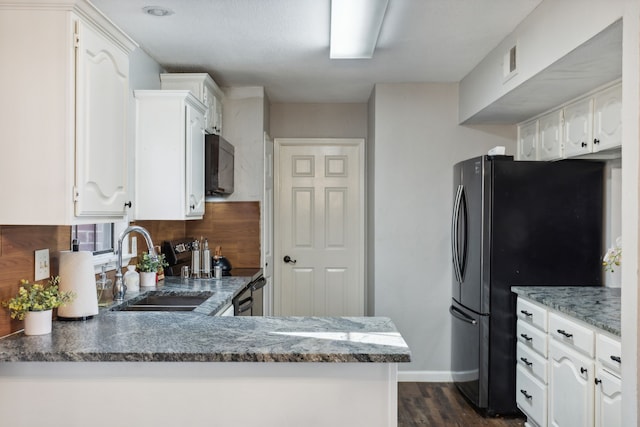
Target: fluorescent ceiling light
(355, 25)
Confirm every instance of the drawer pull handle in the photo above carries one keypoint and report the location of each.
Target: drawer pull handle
(616, 359)
(526, 313)
(583, 370)
(526, 362)
(597, 381)
(563, 332)
(526, 337)
(527, 395)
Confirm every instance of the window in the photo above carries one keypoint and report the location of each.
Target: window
(101, 239)
(97, 238)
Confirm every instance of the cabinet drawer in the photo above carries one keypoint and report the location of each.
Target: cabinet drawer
(608, 351)
(532, 362)
(531, 396)
(572, 334)
(532, 314)
(532, 338)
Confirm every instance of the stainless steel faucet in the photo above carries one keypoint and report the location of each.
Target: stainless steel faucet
(119, 288)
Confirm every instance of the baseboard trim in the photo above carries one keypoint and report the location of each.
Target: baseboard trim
(425, 376)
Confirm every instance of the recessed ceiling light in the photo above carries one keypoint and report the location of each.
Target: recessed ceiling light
(157, 11)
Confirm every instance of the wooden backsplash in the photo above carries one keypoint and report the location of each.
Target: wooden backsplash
(233, 225)
(17, 246)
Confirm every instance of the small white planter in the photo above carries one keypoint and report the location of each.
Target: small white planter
(38, 322)
(147, 279)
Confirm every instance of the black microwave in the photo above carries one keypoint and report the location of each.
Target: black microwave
(218, 165)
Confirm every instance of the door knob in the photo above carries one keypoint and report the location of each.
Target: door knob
(288, 259)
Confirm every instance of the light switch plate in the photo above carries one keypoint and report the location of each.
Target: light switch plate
(42, 264)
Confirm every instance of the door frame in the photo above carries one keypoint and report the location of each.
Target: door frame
(277, 249)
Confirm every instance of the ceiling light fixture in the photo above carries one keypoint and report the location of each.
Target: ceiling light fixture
(355, 26)
(157, 11)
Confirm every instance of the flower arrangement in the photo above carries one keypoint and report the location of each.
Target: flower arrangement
(149, 264)
(613, 257)
(37, 297)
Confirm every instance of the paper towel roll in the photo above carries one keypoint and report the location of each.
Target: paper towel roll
(77, 276)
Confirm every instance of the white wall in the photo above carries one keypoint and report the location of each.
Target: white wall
(551, 31)
(243, 125)
(417, 142)
(630, 216)
(319, 120)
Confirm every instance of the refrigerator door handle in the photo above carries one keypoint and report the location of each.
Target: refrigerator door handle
(454, 233)
(462, 252)
(455, 312)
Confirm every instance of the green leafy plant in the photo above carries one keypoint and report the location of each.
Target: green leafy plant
(149, 264)
(37, 297)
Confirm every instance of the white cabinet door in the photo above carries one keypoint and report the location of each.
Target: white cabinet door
(169, 155)
(608, 399)
(571, 389)
(64, 114)
(195, 162)
(528, 141)
(578, 126)
(205, 89)
(550, 136)
(102, 85)
(607, 119)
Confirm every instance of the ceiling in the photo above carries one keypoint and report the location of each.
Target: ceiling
(283, 45)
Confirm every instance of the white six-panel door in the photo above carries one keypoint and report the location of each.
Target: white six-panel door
(320, 226)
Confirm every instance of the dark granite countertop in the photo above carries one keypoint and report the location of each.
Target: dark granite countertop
(198, 336)
(597, 306)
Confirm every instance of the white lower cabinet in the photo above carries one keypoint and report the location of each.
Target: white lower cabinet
(570, 388)
(568, 372)
(608, 399)
(531, 397)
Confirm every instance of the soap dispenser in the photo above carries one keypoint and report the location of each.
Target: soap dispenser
(104, 288)
(132, 279)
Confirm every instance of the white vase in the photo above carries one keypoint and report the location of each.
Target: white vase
(147, 279)
(37, 322)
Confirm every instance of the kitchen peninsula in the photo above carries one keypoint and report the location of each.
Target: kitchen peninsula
(197, 369)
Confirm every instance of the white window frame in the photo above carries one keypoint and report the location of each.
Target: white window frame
(110, 259)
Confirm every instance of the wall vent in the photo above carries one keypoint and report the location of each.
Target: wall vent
(510, 63)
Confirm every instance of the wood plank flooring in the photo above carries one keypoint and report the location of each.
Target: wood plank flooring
(441, 405)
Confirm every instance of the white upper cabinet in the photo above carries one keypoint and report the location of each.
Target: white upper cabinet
(205, 89)
(578, 126)
(587, 125)
(64, 114)
(550, 136)
(607, 119)
(102, 95)
(528, 141)
(169, 155)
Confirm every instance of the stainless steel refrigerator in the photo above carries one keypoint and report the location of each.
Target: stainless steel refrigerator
(515, 223)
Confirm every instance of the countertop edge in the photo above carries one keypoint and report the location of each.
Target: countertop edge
(596, 306)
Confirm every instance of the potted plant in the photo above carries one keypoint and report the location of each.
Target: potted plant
(148, 267)
(35, 303)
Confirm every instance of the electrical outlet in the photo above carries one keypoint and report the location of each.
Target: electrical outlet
(42, 264)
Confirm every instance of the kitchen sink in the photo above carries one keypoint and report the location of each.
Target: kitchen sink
(165, 302)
